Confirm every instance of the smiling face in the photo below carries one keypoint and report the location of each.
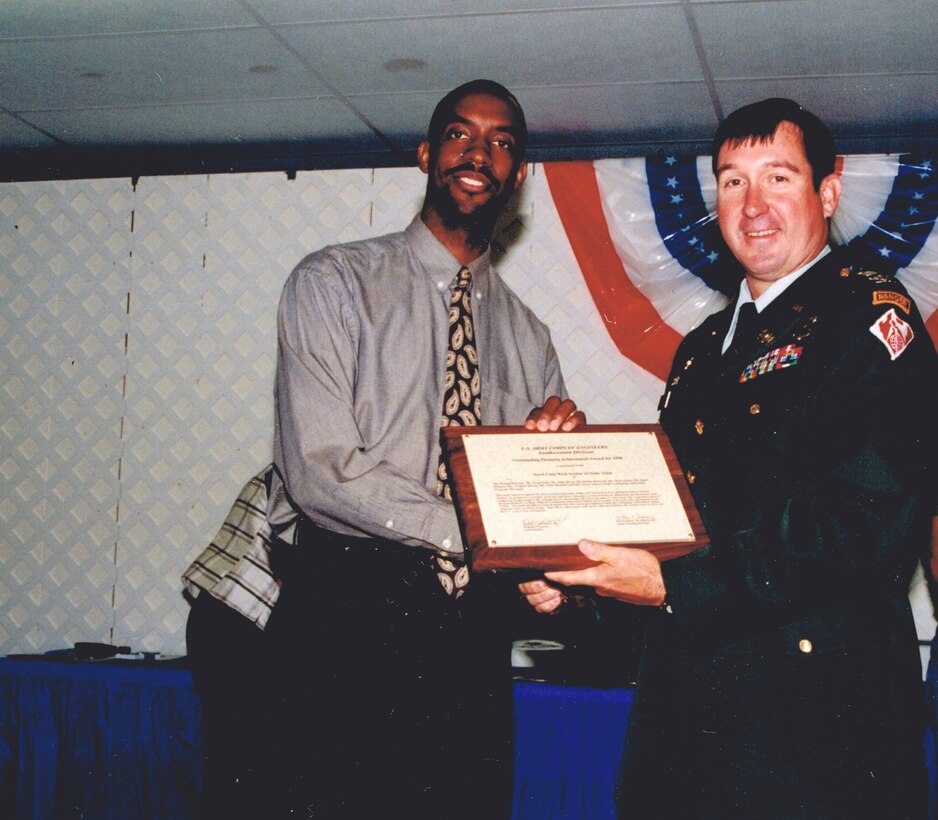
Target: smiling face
(770, 214)
(475, 167)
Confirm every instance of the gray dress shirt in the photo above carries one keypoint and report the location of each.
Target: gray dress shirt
(362, 334)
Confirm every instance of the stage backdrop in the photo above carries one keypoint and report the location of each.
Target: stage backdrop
(137, 326)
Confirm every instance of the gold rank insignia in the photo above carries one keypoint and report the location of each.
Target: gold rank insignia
(890, 297)
(804, 329)
(873, 276)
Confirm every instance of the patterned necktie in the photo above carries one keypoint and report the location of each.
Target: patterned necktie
(462, 406)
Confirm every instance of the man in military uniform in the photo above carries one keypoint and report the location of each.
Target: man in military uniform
(781, 675)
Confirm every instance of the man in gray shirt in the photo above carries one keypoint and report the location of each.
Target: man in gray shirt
(393, 664)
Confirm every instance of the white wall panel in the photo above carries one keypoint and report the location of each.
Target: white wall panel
(64, 278)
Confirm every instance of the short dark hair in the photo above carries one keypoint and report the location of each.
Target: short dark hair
(443, 112)
(758, 121)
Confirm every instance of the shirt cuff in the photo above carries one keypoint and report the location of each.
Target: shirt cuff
(442, 531)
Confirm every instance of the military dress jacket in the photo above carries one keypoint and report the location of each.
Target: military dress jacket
(785, 680)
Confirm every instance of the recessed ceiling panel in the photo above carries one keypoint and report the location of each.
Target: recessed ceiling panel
(634, 111)
(818, 37)
(216, 123)
(58, 18)
(896, 115)
(210, 65)
(573, 47)
(306, 11)
(17, 134)
(631, 119)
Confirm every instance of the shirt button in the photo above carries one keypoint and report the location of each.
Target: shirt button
(699, 427)
(389, 523)
(755, 409)
(804, 645)
(447, 543)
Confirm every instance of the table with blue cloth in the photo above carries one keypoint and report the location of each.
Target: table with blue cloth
(98, 739)
(568, 745)
(122, 739)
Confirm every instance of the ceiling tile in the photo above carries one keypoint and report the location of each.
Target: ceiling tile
(613, 117)
(572, 47)
(129, 69)
(642, 114)
(811, 37)
(307, 11)
(16, 134)
(57, 18)
(239, 122)
(898, 114)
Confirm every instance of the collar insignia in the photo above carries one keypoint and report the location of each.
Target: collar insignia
(804, 329)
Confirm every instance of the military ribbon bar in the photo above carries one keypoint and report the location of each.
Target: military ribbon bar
(787, 356)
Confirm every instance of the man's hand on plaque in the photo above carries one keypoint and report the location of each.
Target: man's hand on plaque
(545, 598)
(556, 414)
(624, 573)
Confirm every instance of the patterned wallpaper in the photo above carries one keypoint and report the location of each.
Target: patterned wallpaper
(137, 324)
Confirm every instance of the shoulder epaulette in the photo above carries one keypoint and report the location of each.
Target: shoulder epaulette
(876, 287)
(874, 276)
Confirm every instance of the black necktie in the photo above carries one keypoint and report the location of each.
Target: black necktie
(747, 328)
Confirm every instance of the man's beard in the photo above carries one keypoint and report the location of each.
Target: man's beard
(479, 224)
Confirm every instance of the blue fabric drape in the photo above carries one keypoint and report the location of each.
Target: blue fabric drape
(98, 740)
(568, 746)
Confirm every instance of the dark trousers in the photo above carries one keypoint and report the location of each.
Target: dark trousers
(396, 699)
(230, 667)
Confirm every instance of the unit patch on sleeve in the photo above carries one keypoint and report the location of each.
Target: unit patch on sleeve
(890, 297)
(787, 356)
(893, 332)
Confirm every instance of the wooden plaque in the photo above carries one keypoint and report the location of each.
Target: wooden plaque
(524, 498)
